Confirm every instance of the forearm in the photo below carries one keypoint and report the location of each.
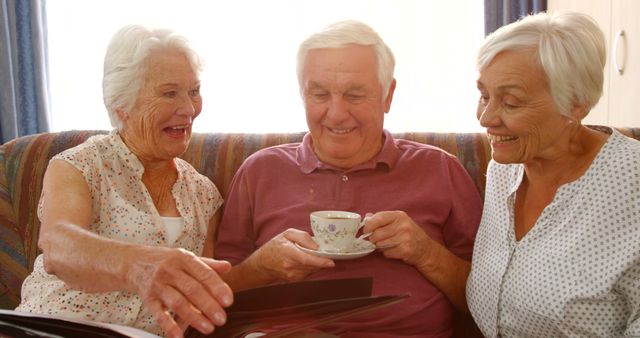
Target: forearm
(448, 273)
(245, 275)
(84, 260)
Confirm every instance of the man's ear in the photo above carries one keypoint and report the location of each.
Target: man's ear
(389, 98)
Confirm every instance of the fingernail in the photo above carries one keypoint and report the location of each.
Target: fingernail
(220, 318)
(206, 326)
(227, 300)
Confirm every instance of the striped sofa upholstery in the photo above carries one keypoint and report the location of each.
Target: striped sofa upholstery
(24, 160)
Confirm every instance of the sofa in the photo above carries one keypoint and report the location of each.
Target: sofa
(216, 155)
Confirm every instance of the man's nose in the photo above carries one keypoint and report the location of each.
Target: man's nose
(338, 109)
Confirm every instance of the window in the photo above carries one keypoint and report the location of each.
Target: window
(249, 81)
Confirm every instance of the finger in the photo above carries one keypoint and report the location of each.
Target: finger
(182, 306)
(297, 236)
(378, 220)
(202, 300)
(384, 245)
(219, 266)
(215, 286)
(164, 319)
(181, 323)
(311, 262)
(305, 241)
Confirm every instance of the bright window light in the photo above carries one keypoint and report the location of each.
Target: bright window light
(249, 47)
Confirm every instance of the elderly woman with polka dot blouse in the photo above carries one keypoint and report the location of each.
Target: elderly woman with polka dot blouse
(557, 253)
(124, 220)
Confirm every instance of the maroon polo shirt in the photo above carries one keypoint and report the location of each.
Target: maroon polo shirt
(276, 188)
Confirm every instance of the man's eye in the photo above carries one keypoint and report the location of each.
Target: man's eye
(484, 99)
(319, 96)
(194, 92)
(169, 94)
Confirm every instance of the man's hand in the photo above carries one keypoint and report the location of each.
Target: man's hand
(280, 259)
(398, 237)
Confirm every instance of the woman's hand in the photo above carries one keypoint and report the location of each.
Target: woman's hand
(177, 281)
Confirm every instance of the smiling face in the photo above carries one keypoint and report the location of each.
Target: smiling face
(523, 123)
(158, 127)
(344, 104)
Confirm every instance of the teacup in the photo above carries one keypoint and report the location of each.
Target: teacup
(335, 230)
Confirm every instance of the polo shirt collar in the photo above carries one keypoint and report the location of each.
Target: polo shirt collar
(308, 161)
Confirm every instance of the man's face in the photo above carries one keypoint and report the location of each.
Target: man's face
(344, 104)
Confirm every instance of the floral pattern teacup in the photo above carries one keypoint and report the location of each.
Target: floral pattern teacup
(334, 230)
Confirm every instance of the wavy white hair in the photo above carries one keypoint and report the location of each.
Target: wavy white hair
(351, 32)
(125, 64)
(569, 47)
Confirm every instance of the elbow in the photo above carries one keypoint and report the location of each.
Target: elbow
(45, 244)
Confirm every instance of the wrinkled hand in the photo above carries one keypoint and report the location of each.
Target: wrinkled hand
(398, 237)
(280, 259)
(177, 281)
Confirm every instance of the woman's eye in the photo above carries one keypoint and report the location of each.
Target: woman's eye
(169, 94)
(194, 92)
(510, 105)
(484, 99)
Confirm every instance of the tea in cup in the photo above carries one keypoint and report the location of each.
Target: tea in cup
(335, 231)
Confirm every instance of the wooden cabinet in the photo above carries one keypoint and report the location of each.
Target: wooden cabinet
(618, 19)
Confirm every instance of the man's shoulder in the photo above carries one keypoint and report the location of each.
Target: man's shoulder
(410, 147)
(281, 152)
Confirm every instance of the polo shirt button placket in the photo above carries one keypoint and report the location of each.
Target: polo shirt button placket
(345, 178)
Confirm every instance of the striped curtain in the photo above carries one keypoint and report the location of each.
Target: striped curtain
(24, 85)
(498, 13)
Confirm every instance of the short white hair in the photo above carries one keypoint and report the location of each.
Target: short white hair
(126, 61)
(569, 48)
(351, 32)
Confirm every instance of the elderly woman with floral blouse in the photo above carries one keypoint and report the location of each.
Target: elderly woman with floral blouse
(124, 220)
(558, 249)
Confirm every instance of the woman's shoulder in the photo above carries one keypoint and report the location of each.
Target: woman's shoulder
(89, 149)
(622, 144)
(620, 153)
(192, 175)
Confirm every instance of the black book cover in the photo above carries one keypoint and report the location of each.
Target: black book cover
(285, 309)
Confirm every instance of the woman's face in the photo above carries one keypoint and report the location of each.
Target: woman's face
(158, 127)
(522, 121)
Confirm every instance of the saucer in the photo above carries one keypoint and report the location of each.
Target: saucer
(359, 248)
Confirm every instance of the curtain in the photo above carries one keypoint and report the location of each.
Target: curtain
(498, 13)
(24, 84)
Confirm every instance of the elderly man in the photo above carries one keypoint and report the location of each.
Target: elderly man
(349, 162)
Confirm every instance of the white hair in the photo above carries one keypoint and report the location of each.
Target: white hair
(125, 64)
(350, 32)
(569, 47)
